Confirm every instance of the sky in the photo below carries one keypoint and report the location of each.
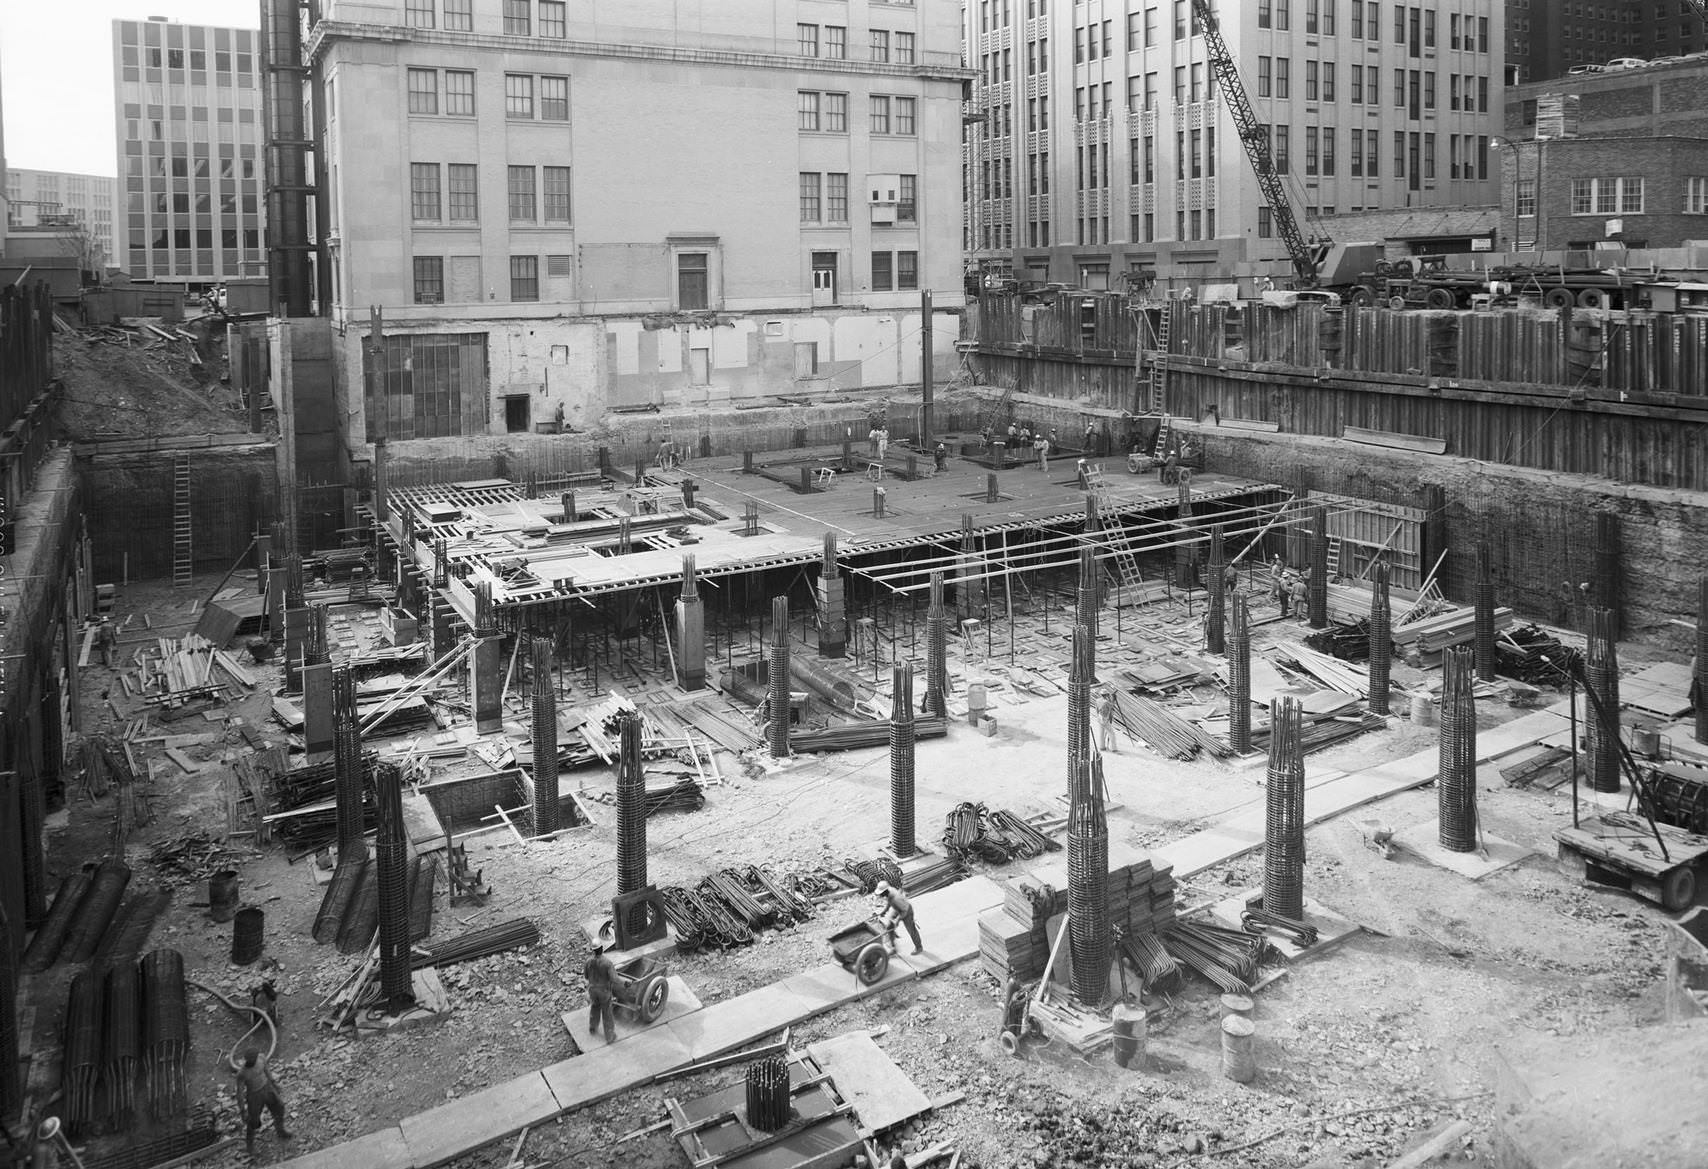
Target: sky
(56, 74)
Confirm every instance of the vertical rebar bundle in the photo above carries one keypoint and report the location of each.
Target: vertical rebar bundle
(441, 562)
(294, 598)
(936, 652)
(544, 707)
(1239, 678)
(1605, 592)
(1701, 700)
(768, 1094)
(1085, 597)
(1081, 677)
(902, 841)
(11, 1087)
(123, 1035)
(316, 651)
(1484, 602)
(1215, 621)
(1456, 784)
(347, 767)
(82, 1060)
(485, 624)
(690, 578)
(1284, 828)
(777, 733)
(1317, 589)
(1601, 677)
(391, 870)
(1381, 640)
(1186, 552)
(631, 806)
(165, 1031)
(96, 912)
(1089, 940)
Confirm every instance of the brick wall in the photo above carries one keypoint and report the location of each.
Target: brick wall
(1662, 163)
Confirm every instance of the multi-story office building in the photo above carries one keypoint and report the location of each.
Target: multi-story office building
(37, 195)
(1551, 38)
(624, 201)
(1099, 146)
(187, 102)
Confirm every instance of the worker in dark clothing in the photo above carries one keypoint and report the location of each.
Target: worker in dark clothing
(1230, 579)
(941, 454)
(898, 910)
(260, 1093)
(601, 986)
(106, 640)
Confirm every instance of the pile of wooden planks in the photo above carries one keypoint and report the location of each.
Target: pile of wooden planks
(1162, 730)
(1330, 671)
(174, 669)
(1454, 627)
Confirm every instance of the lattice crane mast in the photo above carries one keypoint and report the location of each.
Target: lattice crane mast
(1700, 7)
(1256, 141)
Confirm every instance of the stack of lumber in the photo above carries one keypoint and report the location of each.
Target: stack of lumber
(1444, 630)
(1162, 730)
(1330, 671)
(176, 668)
(1013, 939)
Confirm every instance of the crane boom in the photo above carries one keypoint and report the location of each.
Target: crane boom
(1256, 141)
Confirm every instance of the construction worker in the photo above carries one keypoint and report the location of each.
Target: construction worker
(1230, 579)
(1041, 444)
(1280, 590)
(1088, 441)
(940, 454)
(260, 1093)
(898, 910)
(601, 987)
(106, 640)
(1302, 596)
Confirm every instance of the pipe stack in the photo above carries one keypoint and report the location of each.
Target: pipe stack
(1381, 641)
(1484, 602)
(1601, 676)
(631, 806)
(1215, 621)
(902, 840)
(936, 652)
(1456, 785)
(391, 870)
(777, 734)
(1239, 678)
(1317, 587)
(1284, 830)
(347, 766)
(544, 707)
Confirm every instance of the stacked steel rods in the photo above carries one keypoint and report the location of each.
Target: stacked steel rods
(1239, 678)
(1284, 829)
(902, 840)
(545, 739)
(1601, 678)
(1456, 786)
(730, 908)
(768, 1093)
(997, 837)
(631, 806)
(1381, 640)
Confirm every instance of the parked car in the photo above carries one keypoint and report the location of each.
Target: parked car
(1626, 63)
(1579, 70)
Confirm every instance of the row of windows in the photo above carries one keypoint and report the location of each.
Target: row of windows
(1413, 26)
(195, 60)
(885, 47)
(166, 239)
(828, 113)
(527, 96)
(824, 197)
(895, 271)
(184, 203)
(454, 194)
(1601, 196)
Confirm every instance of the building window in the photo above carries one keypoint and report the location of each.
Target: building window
(516, 18)
(807, 107)
(418, 14)
(1328, 150)
(907, 199)
(554, 19)
(429, 279)
(812, 208)
(524, 278)
(1355, 163)
(906, 118)
(1328, 81)
(521, 190)
(424, 190)
(423, 90)
(1265, 13)
(554, 99)
(1312, 19)
(459, 15)
(836, 113)
(1583, 196)
(691, 280)
(1282, 162)
(1265, 223)
(907, 270)
(806, 38)
(1696, 196)
(1526, 197)
(835, 41)
(880, 114)
(883, 274)
(1310, 150)
(464, 192)
(556, 186)
(518, 95)
(1630, 196)
(904, 48)
(1265, 77)
(1283, 69)
(880, 45)
(836, 197)
(1372, 151)
(459, 92)
(1311, 68)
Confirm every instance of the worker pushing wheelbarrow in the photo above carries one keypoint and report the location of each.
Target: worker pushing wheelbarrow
(640, 988)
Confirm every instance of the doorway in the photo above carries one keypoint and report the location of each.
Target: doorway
(516, 413)
(824, 278)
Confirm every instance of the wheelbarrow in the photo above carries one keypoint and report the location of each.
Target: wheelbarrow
(865, 948)
(640, 988)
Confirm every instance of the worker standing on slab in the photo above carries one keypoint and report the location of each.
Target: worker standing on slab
(1041, 444)
(1280, 590)
(601, 987)
(941, 456)
(898, 910)
(260, 1093)
(106, 640)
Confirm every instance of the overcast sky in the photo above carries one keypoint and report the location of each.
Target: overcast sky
(56, 73)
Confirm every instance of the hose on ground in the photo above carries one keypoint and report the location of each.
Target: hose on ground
(261, 1020)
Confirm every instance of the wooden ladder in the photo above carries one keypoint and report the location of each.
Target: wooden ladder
(996, 415)
(1158, 372)
(182, 559)
(1164, 432)
(1121, 550)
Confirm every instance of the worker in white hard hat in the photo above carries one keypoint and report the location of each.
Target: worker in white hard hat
(898, 910)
